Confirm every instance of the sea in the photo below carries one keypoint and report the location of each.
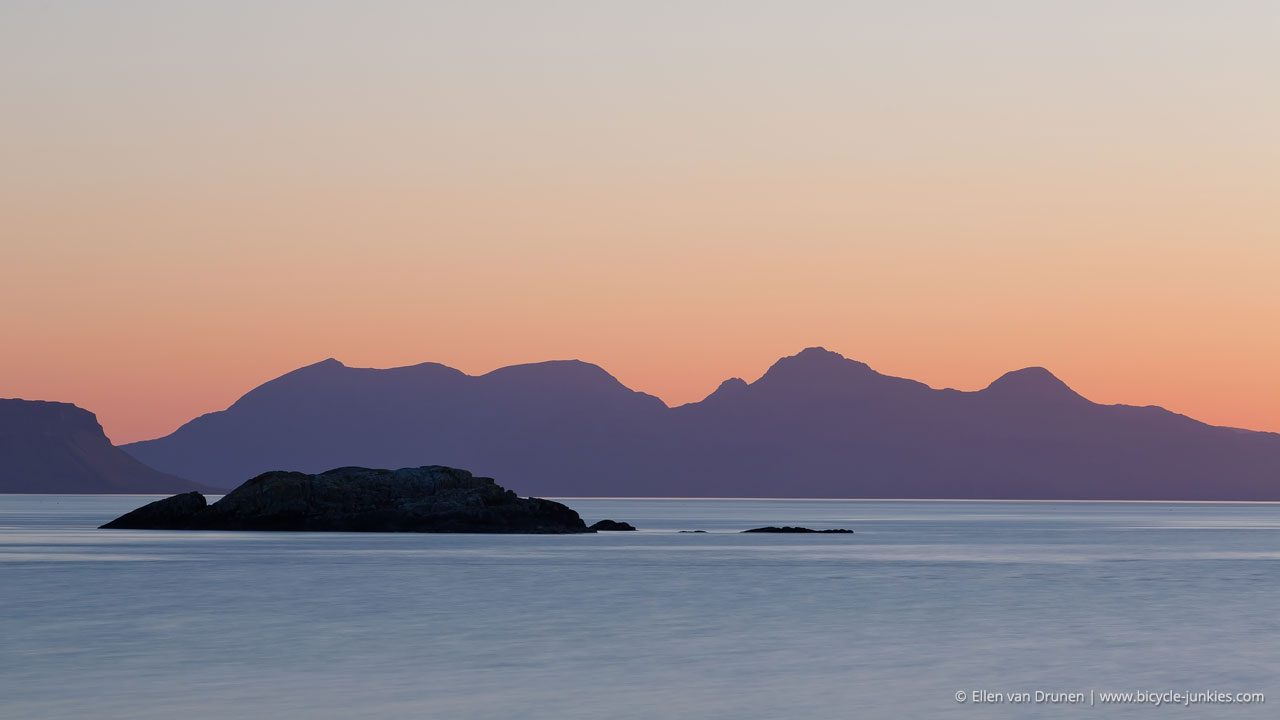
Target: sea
(944, 609)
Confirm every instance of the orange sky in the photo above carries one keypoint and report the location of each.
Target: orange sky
(196, 199)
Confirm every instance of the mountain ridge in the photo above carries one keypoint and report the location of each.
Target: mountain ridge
(815, 424)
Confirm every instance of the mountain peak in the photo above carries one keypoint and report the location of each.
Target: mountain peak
(817, 353)
(728, 388)
(1031, 383)
(565, 371)
(571, 378)
(323, 369)
(326, 365)
(814, 363)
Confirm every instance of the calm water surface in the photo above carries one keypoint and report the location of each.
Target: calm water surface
(926, 599)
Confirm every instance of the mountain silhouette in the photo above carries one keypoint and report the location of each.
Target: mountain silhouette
(52, 447)
(816, 424)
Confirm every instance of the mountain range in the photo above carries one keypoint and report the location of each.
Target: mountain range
(816, 424)
(53, 447)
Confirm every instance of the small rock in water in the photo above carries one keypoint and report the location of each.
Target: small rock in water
(612, 526)
(790, 529)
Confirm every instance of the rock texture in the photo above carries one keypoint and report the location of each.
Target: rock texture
(791, 529)
(612, 526)
(53, 447)
(352, 499)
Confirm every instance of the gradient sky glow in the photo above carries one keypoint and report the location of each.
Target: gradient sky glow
(198, 196)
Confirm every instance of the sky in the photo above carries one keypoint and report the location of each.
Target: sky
(196, 197)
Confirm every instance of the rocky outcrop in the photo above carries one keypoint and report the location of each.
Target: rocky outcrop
(352, 499)
(791, 529)
(171, 513)
(612, 526)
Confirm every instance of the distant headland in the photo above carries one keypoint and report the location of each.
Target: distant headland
(53, 447)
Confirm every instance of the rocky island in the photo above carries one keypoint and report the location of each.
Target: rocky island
(431, 499)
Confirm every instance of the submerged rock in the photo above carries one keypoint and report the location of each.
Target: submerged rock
(612, 526)
(354, 499)
(790, 529)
